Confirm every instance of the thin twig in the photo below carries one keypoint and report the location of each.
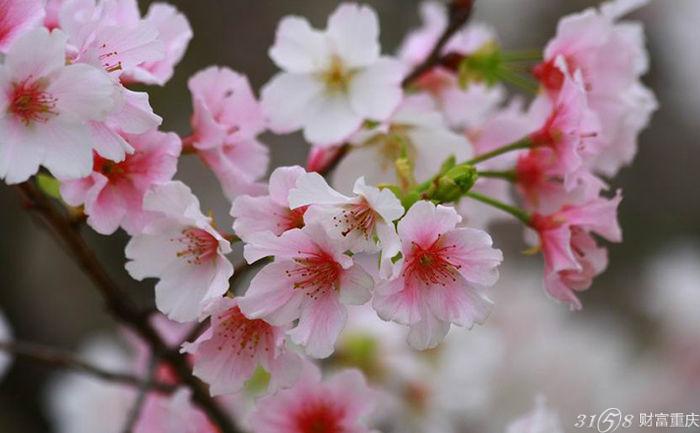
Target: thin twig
(59, 358)
(460, 11)
(119, 305)
(135, 412)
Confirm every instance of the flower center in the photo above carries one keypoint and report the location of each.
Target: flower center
(198, 246)
(244, 334)
(549, 75)
(31, 103)
(336, 77)
(294, 219)
(432, 265)
(316, 274)
(319, 417)
(358, 217)
(110, 169)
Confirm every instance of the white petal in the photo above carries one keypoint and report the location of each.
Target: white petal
(354, 31)
(312, 188)
(285, 100)
(330, 119)
(298, 48)
(83, 93)
(376, 92)
(36, 54)
(355, 286)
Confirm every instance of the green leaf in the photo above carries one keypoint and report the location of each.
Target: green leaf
(49, 185)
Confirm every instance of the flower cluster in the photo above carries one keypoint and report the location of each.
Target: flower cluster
(427, 150)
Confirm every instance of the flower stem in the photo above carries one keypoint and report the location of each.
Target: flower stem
(523, 143)
(508, 175)
(515, 211)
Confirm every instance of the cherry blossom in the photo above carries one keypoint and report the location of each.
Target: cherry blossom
(18, 17)
(441, 275)
(339, 404)
(110, 35)
(113, 193)
(172, 414)
(571, 255)
(364, 220)
(175, 33)
(461, 107)
(46, 108)
(570, 129)
(183, 250)
(417, 130)
(332, 80)
(227, 354)
(270, 212)
(586, 40)
(226, 121)
(311, 279)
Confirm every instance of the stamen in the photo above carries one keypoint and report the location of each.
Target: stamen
(31, 103)
(199, 246)
(432, 265)
(358, 217)
(243, 333)
(315, 274)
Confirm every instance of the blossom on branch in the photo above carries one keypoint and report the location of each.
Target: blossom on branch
(46, 108)
(226, 121)
(441, 275)
(340, 403)
(113, 193)
(311, 279)
(227, 354)
(332, 80)
(182, 249)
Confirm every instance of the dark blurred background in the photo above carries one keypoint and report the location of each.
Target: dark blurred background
(48, 300)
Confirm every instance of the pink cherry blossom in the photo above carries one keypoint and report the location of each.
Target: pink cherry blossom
(441, 276)
(332, 80)
(416, 128)
(311, 279)
(570, 129)
(320, 157)
(611, 57)
(339, 404)
(270, 212)
(365, 221)
(571, 255)
(227, 354)
(183, 250)
(46, 108)
(461, 107)
(18, 17)
(111, 36)
(172, 414)
(541, 186)
(113, 193)
(175, 33)
(226, 121)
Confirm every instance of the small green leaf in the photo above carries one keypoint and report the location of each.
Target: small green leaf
(49, 185)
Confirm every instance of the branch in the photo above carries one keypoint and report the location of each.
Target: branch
(62, 359)
(119, 305)
(460, 11)
(135, 411)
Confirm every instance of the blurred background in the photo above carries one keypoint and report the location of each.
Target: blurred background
(626, 321)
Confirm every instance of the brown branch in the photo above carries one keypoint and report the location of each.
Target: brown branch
(62, 359)
(459, 13)
(119, 305)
